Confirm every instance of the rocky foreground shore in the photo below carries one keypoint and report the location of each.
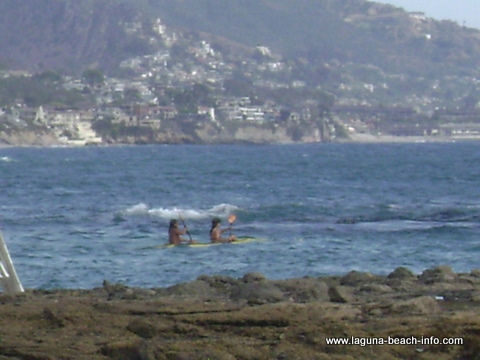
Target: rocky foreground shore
(217, 317)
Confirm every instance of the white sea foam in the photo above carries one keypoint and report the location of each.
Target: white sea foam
(139, 209)
(6, 159)
(220, 210)
(168, 213)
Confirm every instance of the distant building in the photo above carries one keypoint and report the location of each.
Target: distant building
(265, 51)
(418, 16)
(70, 126)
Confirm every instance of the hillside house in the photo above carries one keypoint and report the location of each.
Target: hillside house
(151, 116)
(23, 115)
(240, 109)
(72, 126)
(205, 110)
(461, 131)
(418, 16)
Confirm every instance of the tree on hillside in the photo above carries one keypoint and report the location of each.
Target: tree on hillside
(238, 85)
(93, 77)
(49, 77)
(131, 96)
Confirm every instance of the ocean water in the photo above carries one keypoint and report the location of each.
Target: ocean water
(73, 217)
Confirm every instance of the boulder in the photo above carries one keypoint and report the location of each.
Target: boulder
(438, 274)
(142, 328)
(253, 277)
(222, 284)
(402, 273)
(125, 350)
(356, 278)
(475, 273)
(200, 290)
(121, 291)
(339, 294)
(257, 293)
(218, 280)
(304, 290)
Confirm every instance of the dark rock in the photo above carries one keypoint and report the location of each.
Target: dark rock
(304, 290)
(222, 284)
(122, 350)
(54, 319)
(339, 294)
(142, 328)
(253, 277)
(116, 291)
(257, 293)
(217, 279)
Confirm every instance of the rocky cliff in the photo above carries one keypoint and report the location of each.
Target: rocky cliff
(28, 138)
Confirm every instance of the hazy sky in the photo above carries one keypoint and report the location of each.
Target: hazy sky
(465, 12)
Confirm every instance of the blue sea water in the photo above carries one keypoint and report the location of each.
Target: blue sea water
(73, 217)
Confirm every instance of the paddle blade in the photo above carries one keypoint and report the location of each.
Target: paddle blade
(232, 218)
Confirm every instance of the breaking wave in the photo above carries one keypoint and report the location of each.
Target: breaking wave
(142, 209)
(6, 159)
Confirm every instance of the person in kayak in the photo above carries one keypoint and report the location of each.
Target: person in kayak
(175, 234)
(216, 232)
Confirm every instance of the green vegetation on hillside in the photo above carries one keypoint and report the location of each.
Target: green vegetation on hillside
(39, 90)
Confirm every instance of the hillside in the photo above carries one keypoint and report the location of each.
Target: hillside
(344, 65)
(66, 35)
(69, 35)
(357, 31)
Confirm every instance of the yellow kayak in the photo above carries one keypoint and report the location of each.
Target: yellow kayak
(240, 240)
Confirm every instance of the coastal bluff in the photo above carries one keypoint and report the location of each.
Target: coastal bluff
(223, 318)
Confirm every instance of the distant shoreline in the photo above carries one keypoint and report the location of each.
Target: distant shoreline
(354, 139)
(368, 138)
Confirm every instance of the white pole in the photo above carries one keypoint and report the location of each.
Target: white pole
(8, 276)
